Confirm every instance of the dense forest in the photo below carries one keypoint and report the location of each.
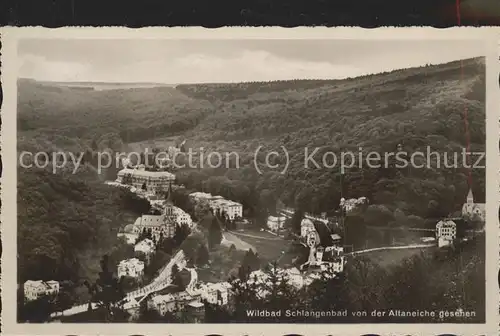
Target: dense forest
(66, 220)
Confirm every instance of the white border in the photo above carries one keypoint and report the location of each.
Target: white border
(9, 38)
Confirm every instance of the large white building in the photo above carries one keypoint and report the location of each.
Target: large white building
(446, 232)
(473, 210)
(232, 209)
(218, 203)
(131, 267)
(155, 181)
(36, 289)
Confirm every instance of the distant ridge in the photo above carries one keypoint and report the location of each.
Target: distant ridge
(100, 85)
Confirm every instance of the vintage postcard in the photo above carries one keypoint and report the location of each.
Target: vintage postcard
(255, 181)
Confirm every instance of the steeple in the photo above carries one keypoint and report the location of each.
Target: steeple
(168, 199)
(470, 197)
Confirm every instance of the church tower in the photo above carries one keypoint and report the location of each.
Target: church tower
(169, 204)
(470, 197)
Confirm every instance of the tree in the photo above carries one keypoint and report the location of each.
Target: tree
(279, 292)
(127, 179)
(108, 293)
(201, 209)
(244, 295)
(329, 292)
(38, 310)
(202, 257)
(214, 233)
(296, 221)
(250, 261)
(181, 233)
(363, 282)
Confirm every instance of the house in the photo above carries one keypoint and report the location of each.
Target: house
(446, 232)
(146, 246)
(336, 239)
(334, 258)
(198, 196)
(155, 181)
(131, 267)
(230, 208)
(214, 293)
(306, 226)
(196, 311)
(172, 302)
(182, 217)
(36, 289)
(276, 223)
(348, 205)
(472, 210)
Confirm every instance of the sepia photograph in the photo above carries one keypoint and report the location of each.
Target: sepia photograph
(255, 180)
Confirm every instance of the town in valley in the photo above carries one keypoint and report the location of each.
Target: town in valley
(150, 241)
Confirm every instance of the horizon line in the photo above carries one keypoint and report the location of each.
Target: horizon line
(250, 81)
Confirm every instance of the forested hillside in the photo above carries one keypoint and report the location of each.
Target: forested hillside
(135, 114)
(413, 108)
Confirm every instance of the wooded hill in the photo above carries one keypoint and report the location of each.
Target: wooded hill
(416, 108)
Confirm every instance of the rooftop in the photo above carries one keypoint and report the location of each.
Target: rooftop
(146, 173)
(196, 304)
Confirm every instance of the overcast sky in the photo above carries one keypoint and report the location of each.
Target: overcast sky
(198, 61)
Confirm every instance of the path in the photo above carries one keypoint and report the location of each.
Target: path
(229, 238)
(391, 248)
(160, 282)
(256, 237)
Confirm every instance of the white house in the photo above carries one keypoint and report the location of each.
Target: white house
(276, 223)
(306, 226)
(182, 217)
(131, 267)
(446, 232)
(214, 293)
(350, 204)
(146, 246)
(170, 302)
(36, 289)
(231, 208)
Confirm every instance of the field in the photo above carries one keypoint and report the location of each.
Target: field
(268, 246)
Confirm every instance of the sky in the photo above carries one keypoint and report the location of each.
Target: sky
(222, 61)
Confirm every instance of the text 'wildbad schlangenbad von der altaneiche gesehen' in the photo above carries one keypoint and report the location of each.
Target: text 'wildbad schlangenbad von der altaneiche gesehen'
(443, 314)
